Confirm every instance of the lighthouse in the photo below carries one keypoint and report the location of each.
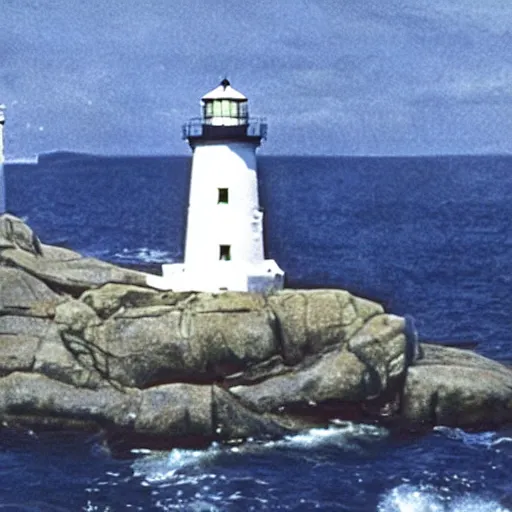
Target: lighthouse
(2, 178)
(224, 245)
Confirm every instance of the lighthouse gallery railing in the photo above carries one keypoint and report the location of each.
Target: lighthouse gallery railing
(199, 127)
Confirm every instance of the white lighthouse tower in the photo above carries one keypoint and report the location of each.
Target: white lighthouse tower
(2, 178)
(224, 239)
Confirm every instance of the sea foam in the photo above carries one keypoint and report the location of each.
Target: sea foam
(411, 498)
(155, 466)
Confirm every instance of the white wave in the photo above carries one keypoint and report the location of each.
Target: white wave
(478, 439)
(345, 435)
(158, 466)
(22, 160)
(135, 255)
(410, 498)
(144, 254)
(502, 441)
(407, 498)
(195, 506)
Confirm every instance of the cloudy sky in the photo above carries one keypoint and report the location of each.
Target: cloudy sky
(350, 77)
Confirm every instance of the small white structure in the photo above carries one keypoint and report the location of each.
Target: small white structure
(224, 239)
(2, 178)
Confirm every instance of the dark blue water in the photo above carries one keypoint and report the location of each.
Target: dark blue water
(430, 237)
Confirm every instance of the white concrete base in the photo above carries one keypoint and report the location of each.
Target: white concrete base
(2, 178)
(263, 277)
(3, 207)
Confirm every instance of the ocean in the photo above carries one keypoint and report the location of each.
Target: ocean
(430, 237)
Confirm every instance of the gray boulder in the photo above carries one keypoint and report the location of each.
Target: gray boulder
(85, 344)
(57, 267)
(457, 388)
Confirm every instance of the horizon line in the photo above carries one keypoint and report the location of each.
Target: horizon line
(34, 159)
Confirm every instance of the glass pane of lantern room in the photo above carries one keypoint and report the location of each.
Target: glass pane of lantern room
(225, 108)
(233, 109)
(243, 110)
(217, 108)
(208, 112)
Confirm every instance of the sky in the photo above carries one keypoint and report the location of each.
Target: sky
(332, 77)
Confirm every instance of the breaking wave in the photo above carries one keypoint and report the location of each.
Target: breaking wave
(213, 479)
(144, 255)
(346, 435)
(138, 255)
(410, 498)
(218, 478)
(158, 466)
(498, 441)
(155, 466)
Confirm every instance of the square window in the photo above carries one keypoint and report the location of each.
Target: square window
(225, 252)
(223, 196)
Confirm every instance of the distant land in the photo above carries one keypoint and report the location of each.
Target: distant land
(64, 157)
(51, 157)
(57, 158)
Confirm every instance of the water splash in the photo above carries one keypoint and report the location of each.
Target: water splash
(144, 255)
(157, 466)
(345, 435)
(134, 256)
(491, 440)
(410, 498)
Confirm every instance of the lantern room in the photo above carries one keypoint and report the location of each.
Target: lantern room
(224, 106)
(225, 116)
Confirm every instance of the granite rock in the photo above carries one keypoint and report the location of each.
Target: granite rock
(86, 344)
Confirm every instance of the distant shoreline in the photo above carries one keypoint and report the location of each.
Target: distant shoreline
(69, 156)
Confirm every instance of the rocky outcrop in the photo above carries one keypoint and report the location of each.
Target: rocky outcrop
(59, 268)
(85, 344)
(457, 388)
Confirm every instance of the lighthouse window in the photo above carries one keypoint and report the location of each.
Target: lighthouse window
(217, 109)
(223, 196)
(225, 108)
(233, 109)
(225, 252)
(209, 110)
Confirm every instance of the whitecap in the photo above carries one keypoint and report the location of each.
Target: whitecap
(478, 439)
(145, 255)
(159, 466)
(411, 498)
(23, 160)
(345, 435)
(135, 255)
